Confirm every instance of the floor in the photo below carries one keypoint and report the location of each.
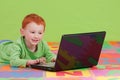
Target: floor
(107, 69)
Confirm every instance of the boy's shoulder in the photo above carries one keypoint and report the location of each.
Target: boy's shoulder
(18, 42)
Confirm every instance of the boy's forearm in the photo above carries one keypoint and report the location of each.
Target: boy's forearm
(18, 63)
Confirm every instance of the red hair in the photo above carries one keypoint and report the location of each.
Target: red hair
(33, 18)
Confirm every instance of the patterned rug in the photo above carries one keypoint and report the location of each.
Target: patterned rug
(107, 69)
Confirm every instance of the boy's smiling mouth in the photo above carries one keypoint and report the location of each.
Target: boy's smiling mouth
(34, 40)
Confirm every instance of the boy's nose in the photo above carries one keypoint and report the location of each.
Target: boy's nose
(36, 36)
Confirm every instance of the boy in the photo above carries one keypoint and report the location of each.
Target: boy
(30, 48)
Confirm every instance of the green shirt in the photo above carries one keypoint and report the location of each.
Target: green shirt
(17, 53)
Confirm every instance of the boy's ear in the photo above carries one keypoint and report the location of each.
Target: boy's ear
(22, 32)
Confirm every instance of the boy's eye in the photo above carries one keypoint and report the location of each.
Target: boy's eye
(32, 32)
(40, 33)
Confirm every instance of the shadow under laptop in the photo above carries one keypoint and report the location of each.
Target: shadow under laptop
(48, 69)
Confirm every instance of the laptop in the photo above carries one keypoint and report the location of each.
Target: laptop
(81, 50)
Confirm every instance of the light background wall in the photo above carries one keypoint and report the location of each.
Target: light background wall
(62, 17)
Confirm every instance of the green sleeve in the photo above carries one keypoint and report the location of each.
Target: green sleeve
(48, 54)
(15, 53)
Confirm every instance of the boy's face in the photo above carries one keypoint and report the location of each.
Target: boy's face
(33, 33)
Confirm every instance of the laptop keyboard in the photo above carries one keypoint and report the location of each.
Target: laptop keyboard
(50, 64)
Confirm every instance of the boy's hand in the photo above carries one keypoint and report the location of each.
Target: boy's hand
(31, 62)
(53, 60)
(41, 60)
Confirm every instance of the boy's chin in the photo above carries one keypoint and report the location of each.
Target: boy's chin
(34, 44)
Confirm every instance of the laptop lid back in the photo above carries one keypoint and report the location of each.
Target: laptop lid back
(79, 50)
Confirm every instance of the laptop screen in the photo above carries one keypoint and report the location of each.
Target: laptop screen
(79, 50)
